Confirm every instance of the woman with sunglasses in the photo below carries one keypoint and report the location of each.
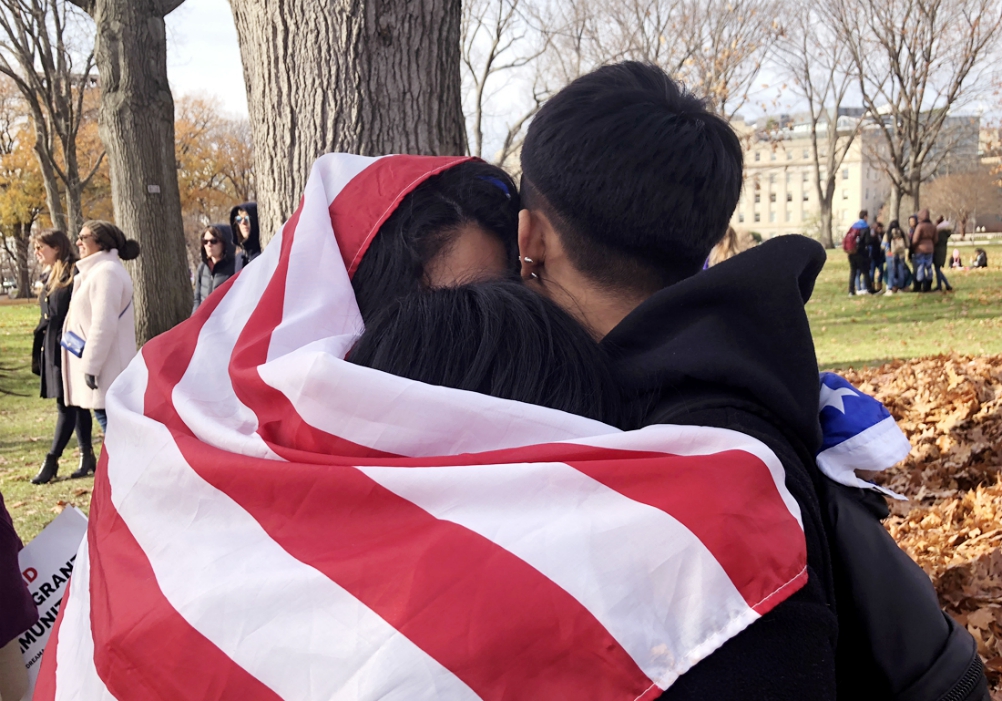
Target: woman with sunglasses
(54, 251)
(219, 261)
(99, 336)
(246, 235)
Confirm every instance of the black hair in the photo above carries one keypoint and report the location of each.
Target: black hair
(863, 214)
(108, 236)
(222, 232)
(425, 224)
(640, 177)
(497, 338)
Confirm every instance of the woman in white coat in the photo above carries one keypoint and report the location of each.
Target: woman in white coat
(99, 334)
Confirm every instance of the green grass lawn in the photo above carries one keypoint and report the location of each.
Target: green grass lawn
(847, 332)
(26, 427)
(868, 330)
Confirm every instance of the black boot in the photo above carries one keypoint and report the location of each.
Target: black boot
(927, 286)
(49, 469)
(87, 463)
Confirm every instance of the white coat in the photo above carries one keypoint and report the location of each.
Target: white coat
(102, 290)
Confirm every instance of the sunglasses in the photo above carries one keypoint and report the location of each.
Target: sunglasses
(210, 242)
(242, 220)
(86, 237)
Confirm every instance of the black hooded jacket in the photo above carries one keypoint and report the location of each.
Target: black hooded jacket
(252, 246)
(731, 347)
(209, 278)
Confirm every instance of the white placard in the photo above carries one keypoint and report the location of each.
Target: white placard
(46, 563)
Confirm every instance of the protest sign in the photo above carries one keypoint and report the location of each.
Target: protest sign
(46, 563)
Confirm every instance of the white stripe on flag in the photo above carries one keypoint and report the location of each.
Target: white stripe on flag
(646, 578)
(404, 417)
(697, 440)
(205, 400)
(284, 622)
(76, 675)
(319, 300)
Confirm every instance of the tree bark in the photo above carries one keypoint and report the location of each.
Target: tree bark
(137, 129)
(362, 76)
(22, 239)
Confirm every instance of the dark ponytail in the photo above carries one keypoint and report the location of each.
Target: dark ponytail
(109, 236)
(497, 338)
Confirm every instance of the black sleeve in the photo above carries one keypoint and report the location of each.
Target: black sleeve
(788, 654)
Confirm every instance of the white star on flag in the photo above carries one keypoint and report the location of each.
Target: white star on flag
(833, 396)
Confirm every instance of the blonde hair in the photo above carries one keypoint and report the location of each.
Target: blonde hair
(727, 247)
(61, 273)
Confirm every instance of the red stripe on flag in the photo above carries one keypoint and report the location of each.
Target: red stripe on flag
(729, 501)
(373, 195)
(143, 648)
(491, 619)
(279, 424)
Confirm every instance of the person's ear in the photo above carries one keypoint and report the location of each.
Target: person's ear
(533, 234)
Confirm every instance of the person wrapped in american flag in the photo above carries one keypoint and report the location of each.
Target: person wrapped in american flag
(271, 520)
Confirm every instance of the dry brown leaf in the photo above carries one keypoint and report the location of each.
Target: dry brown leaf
(950, 407)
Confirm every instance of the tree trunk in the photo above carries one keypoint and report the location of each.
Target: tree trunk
(362, 76)
(826, 227)
(52, 197)
(894, 205)
(137, 128)
(22, 237)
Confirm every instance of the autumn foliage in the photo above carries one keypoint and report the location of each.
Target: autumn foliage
(951, 409)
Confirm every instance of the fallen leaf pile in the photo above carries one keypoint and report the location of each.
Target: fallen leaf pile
(950, 407)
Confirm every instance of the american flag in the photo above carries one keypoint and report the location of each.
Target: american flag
(270, 521)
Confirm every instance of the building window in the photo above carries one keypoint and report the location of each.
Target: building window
(741, 217)
(805, 177)
(758, 217)
(772, 196)
(806, 196)
(772, 216)
(867, 195)
(845, 173)
(789, 216)
(807, 154)
(772, 179)
(758, 156)
(845, 194)
(789, 197)
(789, 177)
(758, 198)
(772, 155)
(789, 155)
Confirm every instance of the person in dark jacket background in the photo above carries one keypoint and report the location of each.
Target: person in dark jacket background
(243, 222)
(219, 261)
(944, 229)
(54, 251)
(924, 244)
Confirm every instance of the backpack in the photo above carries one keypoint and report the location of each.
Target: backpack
(852, 240)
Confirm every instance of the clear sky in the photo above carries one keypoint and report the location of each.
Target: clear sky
(202, 54)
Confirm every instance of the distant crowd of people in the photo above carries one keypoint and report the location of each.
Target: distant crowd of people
(892, 260)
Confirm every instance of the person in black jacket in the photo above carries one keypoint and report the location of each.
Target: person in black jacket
(54, 251)
(627, 183)
(243, 223)
(219, 261)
